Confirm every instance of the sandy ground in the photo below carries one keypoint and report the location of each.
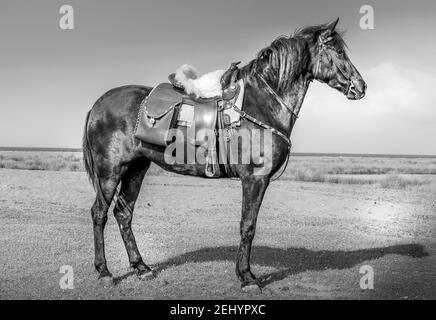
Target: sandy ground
(311, 241)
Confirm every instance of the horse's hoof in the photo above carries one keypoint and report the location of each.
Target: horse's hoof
(106, 281)
(148, 275)
(251, 288)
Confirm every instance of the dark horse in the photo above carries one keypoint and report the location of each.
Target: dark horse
(276, 82)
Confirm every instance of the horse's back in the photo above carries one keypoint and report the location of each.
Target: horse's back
(121, 100)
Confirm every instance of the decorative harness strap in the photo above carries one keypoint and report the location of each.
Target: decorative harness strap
(268, 127)
(276, 96)
(264, 125)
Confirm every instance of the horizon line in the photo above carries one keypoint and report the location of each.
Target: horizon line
(326, 154)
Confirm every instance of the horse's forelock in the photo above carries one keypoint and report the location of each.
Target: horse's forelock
(313, 32)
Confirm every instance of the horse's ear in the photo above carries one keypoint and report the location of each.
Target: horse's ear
(332, 25)
(329, 28)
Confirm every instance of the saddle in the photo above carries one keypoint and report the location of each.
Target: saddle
(168, 107)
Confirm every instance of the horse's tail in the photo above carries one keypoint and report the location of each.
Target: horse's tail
(88, 161)
(87, 156)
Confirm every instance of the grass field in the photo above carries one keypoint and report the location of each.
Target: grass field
(325, 218)
(311, 241)
(385, 171)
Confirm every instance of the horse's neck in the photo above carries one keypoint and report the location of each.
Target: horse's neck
(293, 94)
(293, 97)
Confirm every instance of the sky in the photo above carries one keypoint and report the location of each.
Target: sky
(50, 78)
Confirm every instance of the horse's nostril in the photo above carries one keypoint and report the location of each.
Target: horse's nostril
(360, 85)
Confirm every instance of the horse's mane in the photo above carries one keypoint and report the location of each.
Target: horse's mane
(281, 55)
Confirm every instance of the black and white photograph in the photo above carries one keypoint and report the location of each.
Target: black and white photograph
(217, 150)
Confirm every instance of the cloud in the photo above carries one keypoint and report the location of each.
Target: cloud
(393, 89)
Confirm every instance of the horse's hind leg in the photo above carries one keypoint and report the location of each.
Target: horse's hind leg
(123, 211)
(99, 211)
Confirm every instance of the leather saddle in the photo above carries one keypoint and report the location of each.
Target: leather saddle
(169, 107)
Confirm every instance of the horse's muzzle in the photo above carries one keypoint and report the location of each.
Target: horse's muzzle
(357, 89)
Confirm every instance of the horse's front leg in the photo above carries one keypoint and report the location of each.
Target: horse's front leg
(253, 190)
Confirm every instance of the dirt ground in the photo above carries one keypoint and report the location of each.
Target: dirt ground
(311, 241)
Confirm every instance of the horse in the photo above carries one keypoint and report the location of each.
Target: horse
(275, 83)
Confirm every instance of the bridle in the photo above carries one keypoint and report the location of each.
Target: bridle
(323, 48)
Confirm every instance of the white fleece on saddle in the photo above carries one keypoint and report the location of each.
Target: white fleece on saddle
(207, 86)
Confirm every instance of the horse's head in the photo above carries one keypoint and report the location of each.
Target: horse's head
(331, 64)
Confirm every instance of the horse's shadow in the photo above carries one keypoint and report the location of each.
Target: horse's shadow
(290, 261)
